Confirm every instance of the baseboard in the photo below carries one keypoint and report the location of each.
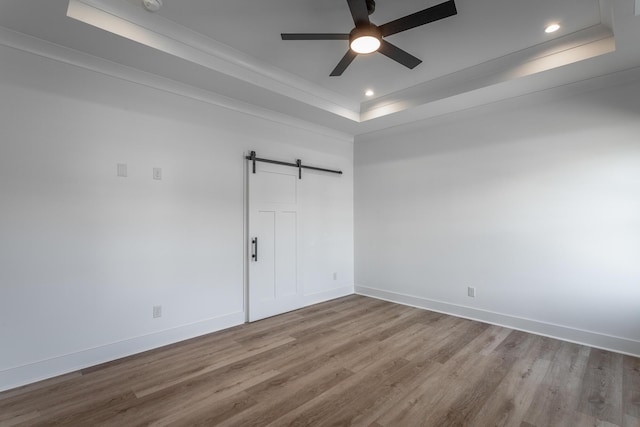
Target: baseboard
(322, 296)
(578, 336)
(33, 372)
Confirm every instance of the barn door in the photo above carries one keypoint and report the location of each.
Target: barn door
(273, 232)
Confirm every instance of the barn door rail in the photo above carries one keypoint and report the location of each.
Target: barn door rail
(298, 164)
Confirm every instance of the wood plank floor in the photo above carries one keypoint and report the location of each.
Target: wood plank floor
(351, 361)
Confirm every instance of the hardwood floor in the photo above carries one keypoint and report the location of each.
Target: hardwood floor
(351, 361)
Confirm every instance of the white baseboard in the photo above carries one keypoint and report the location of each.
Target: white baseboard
(30, 373)
(49, 368)
(578, 336)
(330, 294)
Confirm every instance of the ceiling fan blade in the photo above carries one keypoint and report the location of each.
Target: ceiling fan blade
(435, 13)
(398, 55)
(359, 12)
(344, 63)
(314, 36)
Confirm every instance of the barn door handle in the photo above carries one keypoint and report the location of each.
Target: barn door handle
(254, 255)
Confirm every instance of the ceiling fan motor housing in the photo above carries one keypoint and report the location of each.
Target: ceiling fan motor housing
(370, 30)
(371, 6)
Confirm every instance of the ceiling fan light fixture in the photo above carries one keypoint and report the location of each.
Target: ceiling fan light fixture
(365, 44)
(365, 39)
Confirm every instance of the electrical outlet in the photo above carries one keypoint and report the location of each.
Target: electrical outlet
(471, 291)
(157, 173)
(157, 311)
(335, 276)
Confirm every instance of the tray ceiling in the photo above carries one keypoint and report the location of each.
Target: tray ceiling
(491, 50)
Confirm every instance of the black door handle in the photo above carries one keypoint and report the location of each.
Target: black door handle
(254, 255)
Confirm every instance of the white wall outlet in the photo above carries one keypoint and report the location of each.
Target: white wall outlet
(335, 276)
(122, 170)
(157, 311)
(471, 291)
(157, 173)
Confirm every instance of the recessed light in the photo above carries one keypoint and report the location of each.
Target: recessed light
(552, 28)
(152, 5)
(369, 92)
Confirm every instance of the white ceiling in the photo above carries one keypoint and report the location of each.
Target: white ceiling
(482, 30)
(491, 50)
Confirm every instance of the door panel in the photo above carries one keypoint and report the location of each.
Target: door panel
(287, 260)
(263, 279)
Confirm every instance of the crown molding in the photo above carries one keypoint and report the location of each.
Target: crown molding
(153, 30)
(585, 44)
(234, 75)
(45, 49)
(512, 99)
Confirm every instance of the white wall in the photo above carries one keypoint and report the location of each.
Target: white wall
(84, 254)
(536, 204)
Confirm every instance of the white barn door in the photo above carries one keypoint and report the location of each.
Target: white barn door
(274, 285)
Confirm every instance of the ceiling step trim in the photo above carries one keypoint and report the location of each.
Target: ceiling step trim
(153, 30)
(45, 49)
(585, 44)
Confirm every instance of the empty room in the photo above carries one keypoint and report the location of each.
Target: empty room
(320, 213)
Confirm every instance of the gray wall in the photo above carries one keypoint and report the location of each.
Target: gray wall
(85, 255)
(534, 203)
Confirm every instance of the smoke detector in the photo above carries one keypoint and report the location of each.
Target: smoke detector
(152, 5)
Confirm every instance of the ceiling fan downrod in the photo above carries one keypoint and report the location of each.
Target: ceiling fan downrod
(371, 6)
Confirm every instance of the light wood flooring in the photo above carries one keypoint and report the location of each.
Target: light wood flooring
(351, 361)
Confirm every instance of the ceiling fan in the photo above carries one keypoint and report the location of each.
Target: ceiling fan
(367, 37)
